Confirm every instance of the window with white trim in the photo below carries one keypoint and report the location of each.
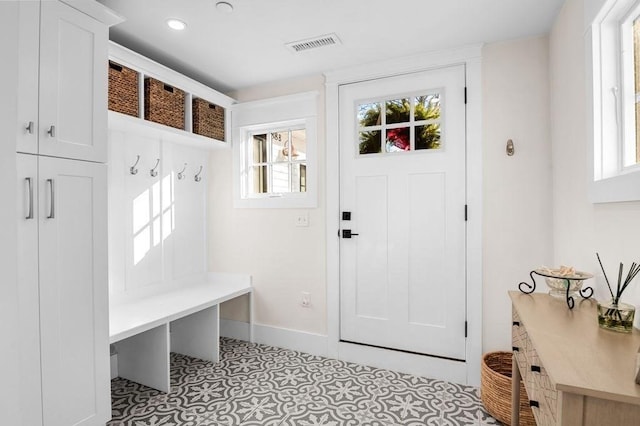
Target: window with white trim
(275, 148)
(614, 45)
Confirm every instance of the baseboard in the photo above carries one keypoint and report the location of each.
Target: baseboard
(420, 365)
(114, 366)
(315, 344)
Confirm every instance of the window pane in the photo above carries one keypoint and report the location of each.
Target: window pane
(298, 177)
(299, 142)
(260, 183)
(369, 114)
(427, 137)
(279, 145)
(259, 148)
(280, 178)
(428, 107)
(370, 142)
(398, 111)
(398, 140)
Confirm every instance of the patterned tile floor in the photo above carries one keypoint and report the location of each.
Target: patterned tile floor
(263, 385)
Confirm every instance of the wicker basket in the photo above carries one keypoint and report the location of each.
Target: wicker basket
(495, 389)
(123, 90)
(208, 119)
(163, 104)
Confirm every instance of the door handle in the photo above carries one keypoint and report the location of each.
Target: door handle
(29, 128)
(52, 131)
(52, 211)
(346, 233)
(30, 196)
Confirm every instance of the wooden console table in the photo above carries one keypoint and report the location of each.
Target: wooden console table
(574, 372)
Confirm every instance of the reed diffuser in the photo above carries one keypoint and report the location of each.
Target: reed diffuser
(613, 314)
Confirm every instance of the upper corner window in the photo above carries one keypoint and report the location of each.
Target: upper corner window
(613, 44)
(277, 161)
(400, 124)
(630, 35)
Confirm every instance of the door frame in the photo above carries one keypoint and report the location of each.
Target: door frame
(467, 372)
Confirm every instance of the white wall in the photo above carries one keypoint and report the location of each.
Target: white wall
(517, 228)
(580, 228)
(284, 260)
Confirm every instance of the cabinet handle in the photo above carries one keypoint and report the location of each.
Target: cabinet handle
(52, 131)
(30, 196)
(52, 211)
(29, 127)
(535, 368)
(533, 403)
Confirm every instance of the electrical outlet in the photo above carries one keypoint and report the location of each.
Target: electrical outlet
(302, 219)
(306, 299)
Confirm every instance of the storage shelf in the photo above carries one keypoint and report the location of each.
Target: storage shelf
(136, 125)
(145, 67)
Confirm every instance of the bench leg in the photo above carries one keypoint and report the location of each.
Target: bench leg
(197, 335)
(144, 358)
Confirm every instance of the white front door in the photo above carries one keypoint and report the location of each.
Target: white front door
(402, 182)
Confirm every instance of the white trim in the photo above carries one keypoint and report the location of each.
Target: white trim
(113, 359)
(302, 341)
(272, 113)
(438, 368)
(471, 58)
(408, 64)
(96, 10)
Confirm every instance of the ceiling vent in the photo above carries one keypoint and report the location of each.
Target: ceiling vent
(314, 43)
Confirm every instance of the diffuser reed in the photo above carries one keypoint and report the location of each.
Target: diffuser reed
(614, 315)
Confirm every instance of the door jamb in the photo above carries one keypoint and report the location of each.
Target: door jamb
(471, 58)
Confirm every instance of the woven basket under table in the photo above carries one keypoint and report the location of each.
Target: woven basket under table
(495, 389)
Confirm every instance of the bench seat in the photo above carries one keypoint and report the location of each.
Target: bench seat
(183, 320)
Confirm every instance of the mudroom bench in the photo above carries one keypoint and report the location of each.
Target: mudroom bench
(184, 319)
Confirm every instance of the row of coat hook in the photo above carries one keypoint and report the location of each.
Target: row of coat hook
(154, 171)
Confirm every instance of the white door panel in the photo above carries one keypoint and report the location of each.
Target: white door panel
(402, 277)
(73, 84)
(73, 292)
(29, 297)
(29, 45)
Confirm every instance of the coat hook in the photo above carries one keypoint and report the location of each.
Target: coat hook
(181, 174)
(197, 177)
(133, 169)
(153, 171)
(510, 148)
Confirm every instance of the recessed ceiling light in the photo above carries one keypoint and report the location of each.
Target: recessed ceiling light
(224, 6)
(176, 24)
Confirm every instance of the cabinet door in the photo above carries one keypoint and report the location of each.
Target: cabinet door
(74, 292)
(28, 58)
(28, 296)
(73, 84)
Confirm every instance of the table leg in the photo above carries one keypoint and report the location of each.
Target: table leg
(515, 392)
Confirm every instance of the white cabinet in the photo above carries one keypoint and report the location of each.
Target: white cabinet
(54, 90)
(62, 82)
(62, 276)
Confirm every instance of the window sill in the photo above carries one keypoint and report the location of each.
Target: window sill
(621, 188)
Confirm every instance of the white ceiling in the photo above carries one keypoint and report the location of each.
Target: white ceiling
(247, 47)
